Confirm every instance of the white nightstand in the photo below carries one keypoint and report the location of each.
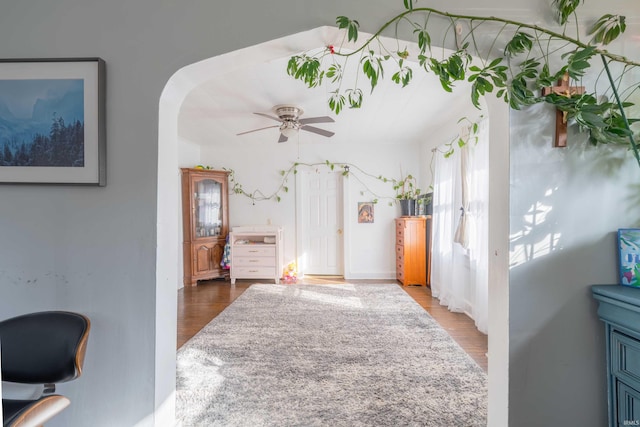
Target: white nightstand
(256, 252)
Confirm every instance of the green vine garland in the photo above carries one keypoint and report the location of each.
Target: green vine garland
(405, 187)
(516, 73)
(235, 187)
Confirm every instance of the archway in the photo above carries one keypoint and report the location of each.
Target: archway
(168, 227)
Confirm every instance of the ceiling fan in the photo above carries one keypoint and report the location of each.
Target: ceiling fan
(291, 123)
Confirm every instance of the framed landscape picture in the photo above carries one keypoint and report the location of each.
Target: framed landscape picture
(52, 124)
(629, 256)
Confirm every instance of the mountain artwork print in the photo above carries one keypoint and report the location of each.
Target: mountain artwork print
(42, 122)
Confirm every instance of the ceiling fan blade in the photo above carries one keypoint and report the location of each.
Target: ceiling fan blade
(282, 138)
(269, 116)
(255, 130)
(323, 119)
(317, 130)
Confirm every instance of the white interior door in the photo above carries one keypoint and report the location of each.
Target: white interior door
(320, 219)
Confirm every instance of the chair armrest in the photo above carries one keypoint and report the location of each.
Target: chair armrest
(32, 413)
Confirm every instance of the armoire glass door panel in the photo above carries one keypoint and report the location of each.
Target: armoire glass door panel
(208, 208)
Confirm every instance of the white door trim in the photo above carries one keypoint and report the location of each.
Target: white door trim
(299, 197)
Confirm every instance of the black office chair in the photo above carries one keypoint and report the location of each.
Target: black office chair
(41, 348)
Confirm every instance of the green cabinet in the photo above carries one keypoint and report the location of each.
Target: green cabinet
(619, 309)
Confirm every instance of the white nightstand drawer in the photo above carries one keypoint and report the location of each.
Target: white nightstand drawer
(253, 250)
(256, 261)
(251, 272)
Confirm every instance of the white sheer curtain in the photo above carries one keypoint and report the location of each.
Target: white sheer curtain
(479, 235)
(459, 260)
(449, 271)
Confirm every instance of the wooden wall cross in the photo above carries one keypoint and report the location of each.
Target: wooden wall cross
(563, 88)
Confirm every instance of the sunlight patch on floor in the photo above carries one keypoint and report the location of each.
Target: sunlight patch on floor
(300, 292)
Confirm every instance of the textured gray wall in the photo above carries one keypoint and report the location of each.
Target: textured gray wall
(93, 249)
(566, 205)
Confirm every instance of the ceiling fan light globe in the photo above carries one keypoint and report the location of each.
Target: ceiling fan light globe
(289, 129)
(289, 132)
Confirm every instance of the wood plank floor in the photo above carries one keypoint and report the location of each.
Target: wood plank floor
(198, 305)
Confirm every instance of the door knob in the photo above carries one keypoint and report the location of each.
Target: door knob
(340, 231)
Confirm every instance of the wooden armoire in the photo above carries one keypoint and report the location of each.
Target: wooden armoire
(413, 252)
(205, 219)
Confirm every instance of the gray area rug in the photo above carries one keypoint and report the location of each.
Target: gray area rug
(327, 355)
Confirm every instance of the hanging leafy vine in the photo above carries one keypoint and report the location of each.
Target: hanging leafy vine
(404, 187)
(348, 170)
(515, 71)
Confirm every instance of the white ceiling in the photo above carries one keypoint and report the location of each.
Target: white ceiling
(217, 109)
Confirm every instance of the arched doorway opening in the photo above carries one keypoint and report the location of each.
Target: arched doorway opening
(168, 257)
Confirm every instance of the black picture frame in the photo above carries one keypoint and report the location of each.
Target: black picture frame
(52, 115)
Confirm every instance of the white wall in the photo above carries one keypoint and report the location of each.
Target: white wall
(188, 154)
(257, 167)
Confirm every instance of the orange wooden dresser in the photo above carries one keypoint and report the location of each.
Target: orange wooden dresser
(413, 260)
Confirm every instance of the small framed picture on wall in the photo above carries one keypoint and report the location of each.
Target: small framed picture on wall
(365, 212)
(629, 256)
